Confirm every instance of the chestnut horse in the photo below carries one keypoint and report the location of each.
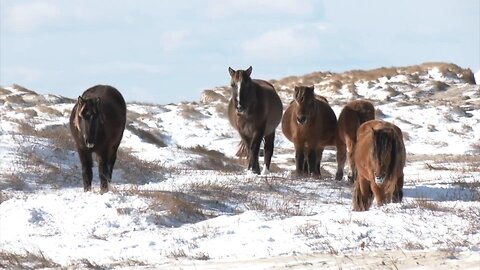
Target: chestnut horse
(352, 116)
(255, 110)
(310, 124)
(379, 159)
(97, 123)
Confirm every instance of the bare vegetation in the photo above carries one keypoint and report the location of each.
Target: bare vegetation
(212, 160)
(189, 111)
(149, 136)
(26, 260)
(138, 171)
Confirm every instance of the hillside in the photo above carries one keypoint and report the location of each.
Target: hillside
(181, 199)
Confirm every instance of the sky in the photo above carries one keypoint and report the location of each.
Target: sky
(170, 51)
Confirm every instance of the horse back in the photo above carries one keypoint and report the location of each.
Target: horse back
(112, 103)
(270, 104)
(352, 116)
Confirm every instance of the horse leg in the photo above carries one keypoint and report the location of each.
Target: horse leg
(87, 164)
(113, 158)
(318, 154)
(103, 172)
(362, 194)
(350, 147)
(268, 146)
(378, 192)
(299, 159)
(341, 157)
(254, 149)
(312, 162)
(398, 193)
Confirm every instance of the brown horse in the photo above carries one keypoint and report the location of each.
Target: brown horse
(352, 116)
(310, 124)
(97, 123)
(254, 110)
(379, 159)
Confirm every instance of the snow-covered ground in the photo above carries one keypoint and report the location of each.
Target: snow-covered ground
(181, 200)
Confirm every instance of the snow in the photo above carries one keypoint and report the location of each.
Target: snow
(190, 218)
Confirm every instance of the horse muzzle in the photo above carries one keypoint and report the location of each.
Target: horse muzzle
(89, 145)
(240, 110)
(379, 179)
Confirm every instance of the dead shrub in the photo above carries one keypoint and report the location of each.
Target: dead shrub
(13, 181)
(428, 204)
(212, 160)
(4, 91)
(59, 135)
(136, 170)
(221, 109)
(29, 113)
(49, 110)
(188, 111)
(15, 99)
(175, 203)
(148, 136)
(209, 96)
(26, 260)
(336, 85)
(24, 89)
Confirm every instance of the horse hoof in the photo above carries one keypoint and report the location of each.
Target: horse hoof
(265, 171)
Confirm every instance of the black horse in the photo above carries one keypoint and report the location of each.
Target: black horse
(97, 123)
(255, 110)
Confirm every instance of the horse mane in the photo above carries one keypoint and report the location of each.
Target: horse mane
(384, 145)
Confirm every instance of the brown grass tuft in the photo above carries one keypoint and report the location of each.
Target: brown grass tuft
(148, 136)
(213, 160)
(26, 260)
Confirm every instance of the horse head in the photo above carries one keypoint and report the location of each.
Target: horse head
(384, 153)
(305, 100)
(242, 92)
(89, 119)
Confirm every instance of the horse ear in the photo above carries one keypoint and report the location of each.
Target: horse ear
(310, 89)
(231, 71)
(249, 71)
(98, 101)
(296, 91)
(80, 99)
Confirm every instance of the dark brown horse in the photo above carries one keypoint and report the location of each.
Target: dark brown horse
(254, 110)
(310, 124)
(352, 116)
(97, 123)
(379, 159)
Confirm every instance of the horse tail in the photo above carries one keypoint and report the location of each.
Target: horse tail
(242, 150)
(390, 177)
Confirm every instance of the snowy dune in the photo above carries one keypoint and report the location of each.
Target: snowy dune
(181, 200)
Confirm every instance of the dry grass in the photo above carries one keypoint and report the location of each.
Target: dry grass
(4, 91)
(138, 171)
(148, 136)
(209, 96)
(15, 99)
(189, 111)
(428, 204)
(26, 260)
(212, 160)
(179, 207)
(49, 110)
